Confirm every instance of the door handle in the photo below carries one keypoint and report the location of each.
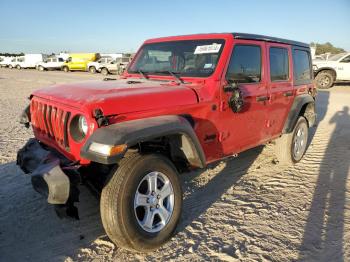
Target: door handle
(262, 98)
(288, 93)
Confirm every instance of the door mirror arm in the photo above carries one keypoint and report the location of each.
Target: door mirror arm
(236, 101)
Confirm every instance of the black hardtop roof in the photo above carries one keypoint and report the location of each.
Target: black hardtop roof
(268, 39)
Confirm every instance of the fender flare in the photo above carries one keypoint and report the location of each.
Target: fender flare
(140, 130)
(326, 68)
(302, 105)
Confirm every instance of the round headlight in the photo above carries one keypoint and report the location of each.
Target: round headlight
(78, 128)
(83, 125)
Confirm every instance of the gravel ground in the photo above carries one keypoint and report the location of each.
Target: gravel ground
(245, 209)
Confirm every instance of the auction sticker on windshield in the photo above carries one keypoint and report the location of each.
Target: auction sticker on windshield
(207, 49)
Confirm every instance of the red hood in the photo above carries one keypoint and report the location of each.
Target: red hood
(117, 97)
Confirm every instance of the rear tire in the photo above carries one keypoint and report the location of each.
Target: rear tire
(133, 218)
(290, 148)
(104, 71)
(324, 79)
(10, 66)
(18, 67)
(41, 68)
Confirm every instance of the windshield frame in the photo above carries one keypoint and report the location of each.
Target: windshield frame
(162, 73)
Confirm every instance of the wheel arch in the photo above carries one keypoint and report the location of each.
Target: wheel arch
(171, 134)
(322, 69)
(303, 105)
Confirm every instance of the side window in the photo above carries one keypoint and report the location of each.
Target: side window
(302, 66)
(54, 60)
(279, 64)
(60, 59)
(345, 59)
(245, 64)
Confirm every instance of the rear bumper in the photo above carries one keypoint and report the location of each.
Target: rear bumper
(49, 176)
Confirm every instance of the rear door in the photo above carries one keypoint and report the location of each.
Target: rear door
(280, 85)
(247, 128)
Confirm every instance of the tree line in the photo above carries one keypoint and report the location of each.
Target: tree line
(327, 48)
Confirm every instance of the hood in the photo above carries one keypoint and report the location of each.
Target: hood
(324, 63)
(120, 96)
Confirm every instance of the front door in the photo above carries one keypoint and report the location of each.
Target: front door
(245, 129)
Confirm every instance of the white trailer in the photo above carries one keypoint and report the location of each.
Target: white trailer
(30, 61)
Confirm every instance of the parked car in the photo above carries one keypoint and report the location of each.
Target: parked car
(116, 66)
(5, 61)
(93, 67)
(335, 69)
(79, 62)
(51, 63)
(182, 103)
(15, 61)
(29, 61)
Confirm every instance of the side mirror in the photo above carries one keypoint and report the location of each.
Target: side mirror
(236, 101)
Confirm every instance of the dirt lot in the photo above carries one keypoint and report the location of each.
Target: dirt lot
(246, 209)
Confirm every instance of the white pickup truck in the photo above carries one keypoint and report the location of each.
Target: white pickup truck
(335, 69)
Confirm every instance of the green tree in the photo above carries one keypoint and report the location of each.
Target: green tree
(327, 48)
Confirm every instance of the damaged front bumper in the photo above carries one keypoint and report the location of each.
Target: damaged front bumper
(52, 175)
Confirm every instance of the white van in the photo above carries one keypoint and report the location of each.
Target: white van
(5, 61)
(30, 61)
(50, 63)
(15, 61)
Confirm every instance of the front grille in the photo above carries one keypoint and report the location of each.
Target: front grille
(51, 121)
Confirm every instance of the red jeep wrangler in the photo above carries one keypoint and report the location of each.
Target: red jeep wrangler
(183, 102)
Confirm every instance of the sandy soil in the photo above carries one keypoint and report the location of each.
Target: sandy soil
(246, 209)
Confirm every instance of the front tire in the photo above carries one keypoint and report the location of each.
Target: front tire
(290, 148)
(65, 69)
(324, 79)
(141, 202)
(92, 70)
(10, 66)
(41, 68)
(18, 67)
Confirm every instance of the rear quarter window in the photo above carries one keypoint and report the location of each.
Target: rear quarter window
(302, 66)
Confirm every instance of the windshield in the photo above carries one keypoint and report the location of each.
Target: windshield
(196, 58)
(336, 57)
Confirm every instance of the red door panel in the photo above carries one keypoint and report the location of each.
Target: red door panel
(246, 129)
(280, 84)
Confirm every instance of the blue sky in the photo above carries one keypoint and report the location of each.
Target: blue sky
(121, 26)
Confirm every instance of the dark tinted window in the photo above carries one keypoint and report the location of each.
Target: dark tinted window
(279, 64)
(60, 59)
(346, 59)
(302, 69)
(245, 64)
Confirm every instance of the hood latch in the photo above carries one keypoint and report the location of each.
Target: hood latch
(100, 118)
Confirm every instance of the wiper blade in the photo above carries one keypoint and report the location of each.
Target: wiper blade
(143, 74)
(173, 74)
